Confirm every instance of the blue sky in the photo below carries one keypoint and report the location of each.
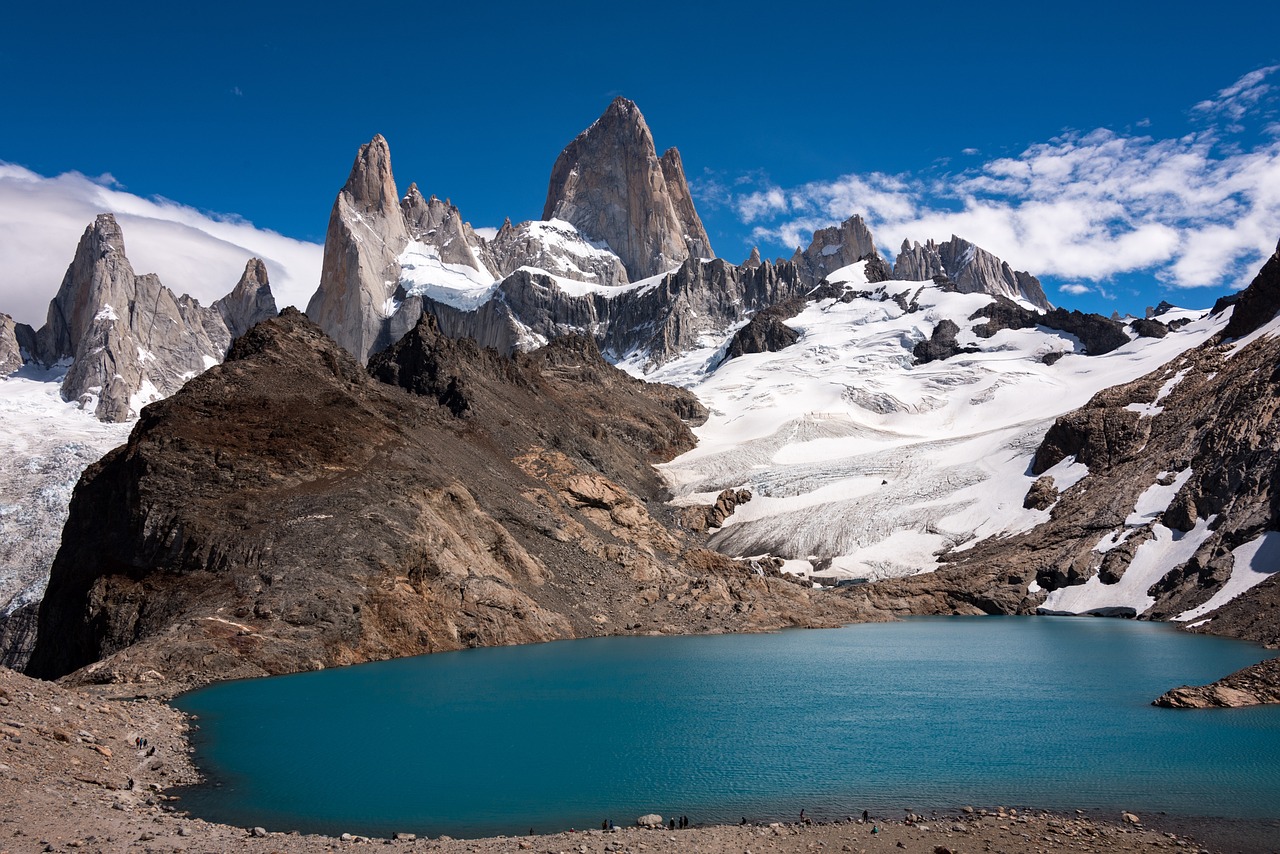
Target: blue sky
(1120, 153)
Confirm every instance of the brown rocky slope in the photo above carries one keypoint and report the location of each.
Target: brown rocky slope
(285, 511)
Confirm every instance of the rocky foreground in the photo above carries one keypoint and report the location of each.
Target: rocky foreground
(73, 778)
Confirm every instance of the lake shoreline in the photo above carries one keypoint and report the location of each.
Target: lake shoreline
(76, 779)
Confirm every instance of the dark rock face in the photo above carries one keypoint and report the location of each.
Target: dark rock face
(767, 332)
(1145, 328)
(18, 636)
(1098, 334)
(286, 511)
(129, 339)
(941, 344)
(611, 185)
(1258, 303)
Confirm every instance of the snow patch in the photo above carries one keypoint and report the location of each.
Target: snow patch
(1156, 499)
(106, 313)
(1255, 562)
(1153, 560)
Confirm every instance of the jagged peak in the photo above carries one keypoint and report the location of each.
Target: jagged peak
(255, 274)
(371, 185)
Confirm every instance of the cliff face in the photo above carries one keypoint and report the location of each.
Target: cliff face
(285, 511)
(127, 338)
(610, 183)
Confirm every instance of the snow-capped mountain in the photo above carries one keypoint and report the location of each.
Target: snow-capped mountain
(867, 420)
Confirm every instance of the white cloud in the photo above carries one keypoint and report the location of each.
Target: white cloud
(1075, 289)
(42, 219)
(1193, 210)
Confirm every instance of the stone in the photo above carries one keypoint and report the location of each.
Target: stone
(650, 820)
(1042, 494)
(258, 832)
(404, 837)
(360, 268)
(610, 184)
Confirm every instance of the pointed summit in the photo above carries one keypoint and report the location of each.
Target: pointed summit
(359, 272)
(610, 184)
(371, 186)
(250, 302)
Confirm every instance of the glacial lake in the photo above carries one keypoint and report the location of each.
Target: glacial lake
(928, 713)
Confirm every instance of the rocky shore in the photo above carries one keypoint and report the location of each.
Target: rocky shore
(74, 778)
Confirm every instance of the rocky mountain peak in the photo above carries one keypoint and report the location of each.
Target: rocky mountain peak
(970, 267)
(249, 302)
(371, 186)
(99, 274)
(836, 247)
(610, 184)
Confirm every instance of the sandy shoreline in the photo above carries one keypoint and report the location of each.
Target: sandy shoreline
(72, 779)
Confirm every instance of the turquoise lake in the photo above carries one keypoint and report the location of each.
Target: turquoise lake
(923, 714)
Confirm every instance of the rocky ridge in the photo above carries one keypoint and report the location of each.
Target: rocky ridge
(971, 268)
(126, 339)
(497, 500)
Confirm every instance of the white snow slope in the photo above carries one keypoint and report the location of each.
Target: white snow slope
(855, 455)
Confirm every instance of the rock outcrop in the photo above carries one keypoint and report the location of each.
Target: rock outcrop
(250, 301)
(973, 270)
(286, 511)
(1251, 686)
(611, 185)
(836, 247)
(1097, 334)
(10, 349)
(128, 340)
(1257, 304)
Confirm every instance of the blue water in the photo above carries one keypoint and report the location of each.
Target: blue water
(925, 713)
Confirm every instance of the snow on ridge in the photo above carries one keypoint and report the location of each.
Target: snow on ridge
(423, 273)
(857, 455)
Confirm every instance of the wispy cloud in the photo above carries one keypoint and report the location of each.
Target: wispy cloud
(1196, 210)
(1075, 289)
(41, 220)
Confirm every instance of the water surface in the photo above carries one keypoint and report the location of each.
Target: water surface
(920, 714)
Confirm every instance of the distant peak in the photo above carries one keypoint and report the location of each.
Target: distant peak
(371, 185)
(255, 272)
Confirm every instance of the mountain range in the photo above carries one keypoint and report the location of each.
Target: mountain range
(454, 447)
